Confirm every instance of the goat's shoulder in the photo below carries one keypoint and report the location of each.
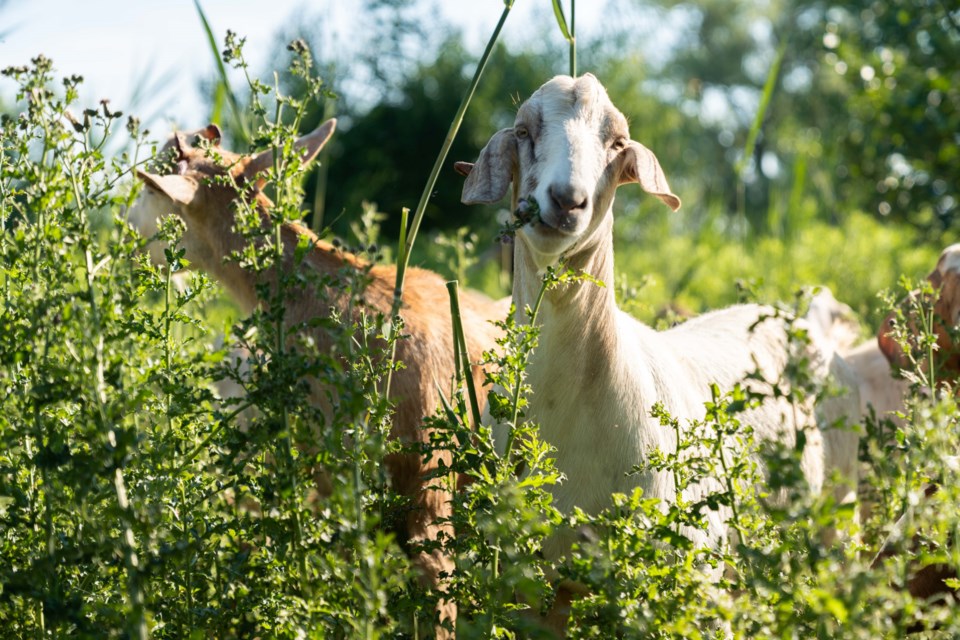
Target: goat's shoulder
(744, 323)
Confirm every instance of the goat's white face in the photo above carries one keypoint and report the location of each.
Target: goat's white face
(144, 216)
(567, 134)
(568, 150)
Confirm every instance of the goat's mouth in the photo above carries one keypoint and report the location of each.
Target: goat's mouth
(564, 223)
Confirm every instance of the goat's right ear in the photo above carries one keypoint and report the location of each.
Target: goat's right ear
(212, 133)
(488, 179)
(180, 189)
(311, 144)
(307, 147)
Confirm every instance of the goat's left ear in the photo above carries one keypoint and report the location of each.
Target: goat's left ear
(307, 146)
(180, 189)
(639, 165)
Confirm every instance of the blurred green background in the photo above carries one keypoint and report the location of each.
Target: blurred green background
(851, 179)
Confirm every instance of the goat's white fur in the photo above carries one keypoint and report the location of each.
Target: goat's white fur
(833, 322)
(598, 371)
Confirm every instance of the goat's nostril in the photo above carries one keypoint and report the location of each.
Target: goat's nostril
(567, 197)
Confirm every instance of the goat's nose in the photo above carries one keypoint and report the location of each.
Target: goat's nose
(567, 197)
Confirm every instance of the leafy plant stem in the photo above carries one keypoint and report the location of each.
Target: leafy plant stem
(138, 623)
(286, 443)
(188, 566)
(515, 394)
(927, 315)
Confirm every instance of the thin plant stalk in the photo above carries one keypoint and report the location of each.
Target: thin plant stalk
(754, 132)
(569, 32)
(403, 259)
(460, 350)
(765, 97)
(222, 74)
(573, 38)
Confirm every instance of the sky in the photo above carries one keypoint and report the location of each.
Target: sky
(117, 45)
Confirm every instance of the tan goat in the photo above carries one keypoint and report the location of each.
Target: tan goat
(929, 582)
(207, 208)
(945, 280)
(885, 393)
(880, 390)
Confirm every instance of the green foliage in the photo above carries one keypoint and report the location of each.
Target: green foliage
(692, 261)
(135, 501)
(895, 68)
(71, 402)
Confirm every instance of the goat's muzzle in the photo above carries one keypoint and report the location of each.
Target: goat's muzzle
(566, 207)
(568, 198)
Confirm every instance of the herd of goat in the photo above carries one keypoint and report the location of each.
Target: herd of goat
(597, 371)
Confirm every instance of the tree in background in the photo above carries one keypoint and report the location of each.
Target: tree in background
(892, 69)
(864, 113)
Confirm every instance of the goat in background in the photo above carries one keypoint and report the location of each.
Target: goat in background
(197, 193)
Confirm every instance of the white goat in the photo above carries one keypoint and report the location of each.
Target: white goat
(834, 324)
(208, 206)
(880, 391)
(598, 371)
(833, 321)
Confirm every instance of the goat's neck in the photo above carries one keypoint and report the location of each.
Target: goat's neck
(580, 315)
(215, 239)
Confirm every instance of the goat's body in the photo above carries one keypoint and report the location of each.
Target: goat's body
(622, 367)
(832, 323)
(880, 391)
(330, 281)
(597, 372)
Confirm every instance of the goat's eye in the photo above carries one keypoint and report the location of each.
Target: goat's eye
(521, 132)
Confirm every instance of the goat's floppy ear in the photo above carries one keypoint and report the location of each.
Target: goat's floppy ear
(307, 147)
(488, 179)
(183, 139)
(311, 144)
(639, 165)
(180, 189)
